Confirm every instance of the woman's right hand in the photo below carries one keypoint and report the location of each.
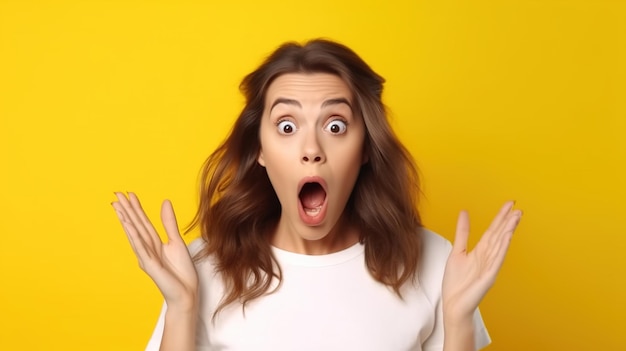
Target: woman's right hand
(169, 265)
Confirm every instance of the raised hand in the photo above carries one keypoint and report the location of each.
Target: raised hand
(169, 265)
(469, 275)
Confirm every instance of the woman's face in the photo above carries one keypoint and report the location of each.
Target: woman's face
(312, 149)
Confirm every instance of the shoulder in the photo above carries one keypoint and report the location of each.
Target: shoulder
(434, 246)
(195, 246)
(434, 256)
(203, 264)
(210, 284)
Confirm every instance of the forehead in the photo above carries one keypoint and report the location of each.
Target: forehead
(305, 86)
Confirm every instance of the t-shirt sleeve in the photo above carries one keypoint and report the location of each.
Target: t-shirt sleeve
(436, 256)
(481, 336)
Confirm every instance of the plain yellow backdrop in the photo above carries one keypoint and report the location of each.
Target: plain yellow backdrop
(496, 100)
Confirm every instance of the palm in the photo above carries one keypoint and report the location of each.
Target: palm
(169, 264)
(174, 271)
(469, 275)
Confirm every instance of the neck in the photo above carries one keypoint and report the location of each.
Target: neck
(340, 237)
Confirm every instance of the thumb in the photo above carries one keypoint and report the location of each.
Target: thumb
(169, 222)
(462, 233)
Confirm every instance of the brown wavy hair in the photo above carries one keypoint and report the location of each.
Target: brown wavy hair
(239, 209)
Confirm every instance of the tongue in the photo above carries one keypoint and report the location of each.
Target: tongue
(312, 195)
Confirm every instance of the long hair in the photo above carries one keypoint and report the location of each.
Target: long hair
(239, 209)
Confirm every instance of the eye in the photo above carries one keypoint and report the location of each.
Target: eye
(286, 127)
(336, 126)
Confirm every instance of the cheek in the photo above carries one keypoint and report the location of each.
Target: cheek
(279, 155)
(276, 159)
(355, 152)
(348, 165)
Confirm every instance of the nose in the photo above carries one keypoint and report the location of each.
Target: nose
(312, 151)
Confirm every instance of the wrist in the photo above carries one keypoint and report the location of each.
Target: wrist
(454, 319)
(183, 306)
(458, 333)
(181, 311)
(179, 331)
(181, 315)
(453, 315)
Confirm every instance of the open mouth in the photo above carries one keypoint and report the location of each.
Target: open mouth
(312, 196)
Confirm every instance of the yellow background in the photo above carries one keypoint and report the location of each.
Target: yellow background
(495, 99)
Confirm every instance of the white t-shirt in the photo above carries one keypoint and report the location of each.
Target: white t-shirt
(329, 302)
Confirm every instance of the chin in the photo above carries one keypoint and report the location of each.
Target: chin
(314, 233)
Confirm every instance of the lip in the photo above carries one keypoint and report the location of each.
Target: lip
(319, 218)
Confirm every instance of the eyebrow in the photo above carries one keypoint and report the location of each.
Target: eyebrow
(326, 103)
(336, 102)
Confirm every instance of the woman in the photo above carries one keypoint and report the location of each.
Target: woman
(311, 239)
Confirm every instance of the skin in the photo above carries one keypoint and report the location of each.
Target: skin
(470, 274)
(308, 129)
(312, 149)
(169, 265)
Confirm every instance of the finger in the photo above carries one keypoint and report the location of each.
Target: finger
(122, 217)
(500, 249)
(508, 225)
(168, 217)
(136, 242)
(141, 214)
(462, 233)
(491, 248)
(500, 217)
(143, 252)
(137, 222)
(513, 222)
(497, 222)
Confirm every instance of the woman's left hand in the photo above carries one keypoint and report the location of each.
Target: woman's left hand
(469, 275)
